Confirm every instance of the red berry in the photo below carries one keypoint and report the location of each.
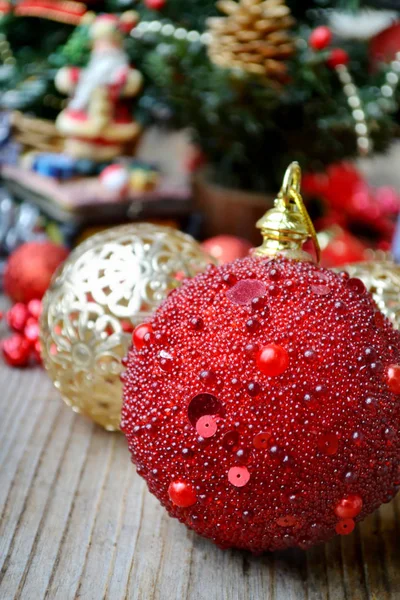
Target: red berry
(181, 494)
(320, 38)
(35, 308)
(17, 317)
(16, 350)
(337, 57)
(345, 527)
(139, 333)
(272, 360)
(155, 4)
(348, 507)
(393, 378)
(31, 332)
(286, 452)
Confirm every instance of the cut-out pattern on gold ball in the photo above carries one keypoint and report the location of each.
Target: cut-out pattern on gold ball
(109, 284)
(382, 279)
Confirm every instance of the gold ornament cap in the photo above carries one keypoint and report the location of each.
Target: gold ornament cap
(286, 227)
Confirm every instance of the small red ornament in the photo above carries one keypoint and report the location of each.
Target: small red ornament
(16, 350)
(320, 37)
(337, 57)
(155, 4)
(30, 268)
(296, 453)
(225, 248)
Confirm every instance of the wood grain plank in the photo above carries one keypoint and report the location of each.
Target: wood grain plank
(77, 522)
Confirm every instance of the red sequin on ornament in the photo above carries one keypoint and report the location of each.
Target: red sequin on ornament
(307, 439)
(244, 291)
(238, 476)
(272, 360)
(206, 426)
(345, 527)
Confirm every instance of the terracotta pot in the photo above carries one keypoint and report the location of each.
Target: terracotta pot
(230, 211)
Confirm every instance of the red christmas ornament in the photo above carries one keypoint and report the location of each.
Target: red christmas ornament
(320, 38)
(226, 248)
(337, 57)
(341, 248)
(30, 268)
(17, 317)
(155, 4)
(293, 452)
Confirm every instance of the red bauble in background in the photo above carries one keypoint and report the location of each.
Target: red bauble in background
(155, 4)
(341, 248)
(275, 421)
(226, 248)
(320, 37)
(30, 268)
(385, 45)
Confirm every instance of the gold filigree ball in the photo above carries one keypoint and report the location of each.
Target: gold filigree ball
(382, 279)
(109, 284)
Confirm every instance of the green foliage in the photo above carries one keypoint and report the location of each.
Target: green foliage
(248, 129)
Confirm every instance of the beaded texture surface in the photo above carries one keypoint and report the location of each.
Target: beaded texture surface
(263, 407)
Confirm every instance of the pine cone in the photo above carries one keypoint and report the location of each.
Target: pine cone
(253, 36)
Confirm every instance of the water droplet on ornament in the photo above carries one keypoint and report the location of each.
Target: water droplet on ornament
(196, 323)
(286, 521)
(345, 526)
(245, 290)
(253, 389)
(238, 476)
(328, 444)
(273, 290)
(139, 334)
(206, 426)
(165, 361)
(393, 378)
(230, 441)
(341, 307)
(251, 349)
(258, 303)
(272, 360)
(230, 279)
(252, 325)
(349, 507)
(358, 438)
(181, 494)
(208, 377)
(202, 405)
(261, 440)
(356, 285)
(274, 274)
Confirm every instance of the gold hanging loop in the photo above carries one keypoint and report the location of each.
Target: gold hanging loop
(287, 226)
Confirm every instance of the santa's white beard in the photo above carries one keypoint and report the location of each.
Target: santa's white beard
(102, 70)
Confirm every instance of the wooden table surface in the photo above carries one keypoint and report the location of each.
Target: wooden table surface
(77, 522)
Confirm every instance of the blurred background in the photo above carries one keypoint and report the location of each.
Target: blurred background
(187, 112)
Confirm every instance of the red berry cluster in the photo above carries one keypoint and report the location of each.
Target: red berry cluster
(320, 39)
(262, 404)
(23, 346)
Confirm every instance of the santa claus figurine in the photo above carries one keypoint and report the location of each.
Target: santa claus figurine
(97, 122)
